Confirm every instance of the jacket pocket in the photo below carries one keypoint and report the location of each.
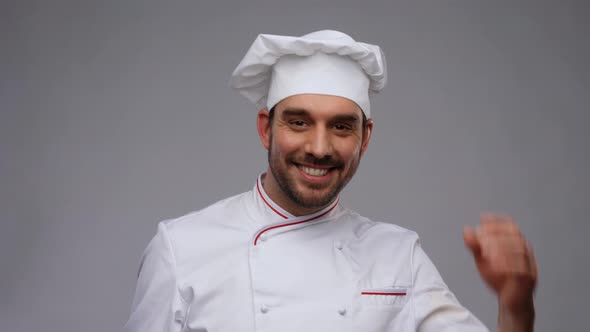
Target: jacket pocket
(383, 309)
(383, 296)
(387, 293)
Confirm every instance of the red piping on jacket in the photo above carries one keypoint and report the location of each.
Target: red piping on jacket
(270, 206)
(384, 293)
(293, 223)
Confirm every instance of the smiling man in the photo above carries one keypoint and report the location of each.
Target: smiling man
(314, 147)
(287, 256)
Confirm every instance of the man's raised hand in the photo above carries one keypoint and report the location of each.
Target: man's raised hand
(507, 265)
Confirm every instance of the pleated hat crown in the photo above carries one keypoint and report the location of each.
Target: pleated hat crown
(322, 62)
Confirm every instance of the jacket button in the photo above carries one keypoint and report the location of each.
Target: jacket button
(342, 312)
(263, 309)
(338, 245)
(262, 237)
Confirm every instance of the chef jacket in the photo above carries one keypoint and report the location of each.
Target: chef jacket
(244, 264)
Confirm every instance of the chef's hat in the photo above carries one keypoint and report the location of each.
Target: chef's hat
(322, 62)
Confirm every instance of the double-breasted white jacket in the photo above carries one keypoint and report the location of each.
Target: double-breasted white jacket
(244, 264)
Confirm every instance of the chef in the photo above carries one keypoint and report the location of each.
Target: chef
(287, 255)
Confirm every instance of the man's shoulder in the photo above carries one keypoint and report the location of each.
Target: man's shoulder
(224, 209)
(192, 234)
(367, 228)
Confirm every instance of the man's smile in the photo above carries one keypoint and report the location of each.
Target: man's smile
(315, 173)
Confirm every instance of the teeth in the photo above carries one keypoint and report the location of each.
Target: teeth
(313, 171)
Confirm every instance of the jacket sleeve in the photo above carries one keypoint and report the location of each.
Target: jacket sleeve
(435, 307)
(157, 304)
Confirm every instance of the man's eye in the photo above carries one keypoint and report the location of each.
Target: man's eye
(298, 123)
(341, 126)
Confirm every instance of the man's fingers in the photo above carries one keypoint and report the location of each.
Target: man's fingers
(498, 224)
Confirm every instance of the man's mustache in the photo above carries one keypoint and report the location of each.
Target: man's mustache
(328, 161)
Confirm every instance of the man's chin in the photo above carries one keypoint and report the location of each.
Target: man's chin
(314, 189)
(314, 198)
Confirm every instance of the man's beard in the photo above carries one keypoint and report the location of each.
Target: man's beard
(288, 185)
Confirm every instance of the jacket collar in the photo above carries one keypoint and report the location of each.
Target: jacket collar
(270, 209)
(274, 219)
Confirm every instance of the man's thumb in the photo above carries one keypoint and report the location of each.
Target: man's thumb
(471, 240)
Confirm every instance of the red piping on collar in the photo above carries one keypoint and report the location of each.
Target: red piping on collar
(294, 223)
(270, 206)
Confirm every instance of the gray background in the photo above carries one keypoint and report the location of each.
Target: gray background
(115, 115)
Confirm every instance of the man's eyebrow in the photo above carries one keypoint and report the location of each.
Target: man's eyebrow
(346, 118)
(294, 112)
(303, 112)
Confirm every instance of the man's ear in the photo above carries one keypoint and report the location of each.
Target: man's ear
(367, 135)
(263, 124)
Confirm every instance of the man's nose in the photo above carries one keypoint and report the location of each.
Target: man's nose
(319, 143)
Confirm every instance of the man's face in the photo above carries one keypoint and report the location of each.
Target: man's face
(314, 148)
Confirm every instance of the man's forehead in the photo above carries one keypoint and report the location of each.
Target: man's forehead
(319, 105)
